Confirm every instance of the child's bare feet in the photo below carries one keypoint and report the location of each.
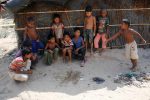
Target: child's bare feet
(134, 68)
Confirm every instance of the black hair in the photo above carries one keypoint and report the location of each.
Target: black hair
(51, 37)
(66, 33)
(88, 8)
(55, 16)
(30, 19)
(25, 52)
(76, 29)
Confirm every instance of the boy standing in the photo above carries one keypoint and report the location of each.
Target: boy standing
(131, 46)
(89, 27)
(30, 32)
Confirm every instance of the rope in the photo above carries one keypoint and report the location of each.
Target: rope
(142, 44)
(70, 11)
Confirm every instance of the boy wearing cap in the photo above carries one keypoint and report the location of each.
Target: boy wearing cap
(131, 46)
(89, 27)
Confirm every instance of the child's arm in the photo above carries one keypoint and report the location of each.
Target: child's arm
(46, 46)
(139, 35)
(84, 23)
(114, 37)
(25, 34)
(94, 23)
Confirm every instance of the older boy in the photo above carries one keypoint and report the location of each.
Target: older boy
(89, 27)
(131, 46)
(30, 32)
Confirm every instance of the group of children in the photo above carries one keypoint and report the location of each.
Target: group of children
(95, 29)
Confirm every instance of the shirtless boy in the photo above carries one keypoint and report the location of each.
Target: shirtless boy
(30, 32)
(131, 46)
(89, 27)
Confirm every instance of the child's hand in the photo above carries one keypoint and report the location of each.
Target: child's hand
(50, 51)
(76, 51)
(144, 41)
(106, 41)
(29, 72)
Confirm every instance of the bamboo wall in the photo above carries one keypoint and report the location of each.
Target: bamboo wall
(76, 18)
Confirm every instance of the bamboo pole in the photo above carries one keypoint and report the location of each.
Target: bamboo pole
(70, 11)
(115, 25)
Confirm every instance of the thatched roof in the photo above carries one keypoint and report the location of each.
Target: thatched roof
(16, 5)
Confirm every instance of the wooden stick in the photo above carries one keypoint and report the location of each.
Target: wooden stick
(70, 11)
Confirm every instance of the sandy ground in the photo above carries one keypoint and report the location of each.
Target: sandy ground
(56, 83)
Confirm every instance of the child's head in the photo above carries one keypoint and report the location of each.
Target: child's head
(30, 21)
(103, 12)
(77, 32)
(125, 24)
(67, 37)
(56, 18)
(26, 45)
(26, 53)
(88, 11)
(51, 40)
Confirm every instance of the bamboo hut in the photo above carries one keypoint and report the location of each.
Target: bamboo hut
(72, 13)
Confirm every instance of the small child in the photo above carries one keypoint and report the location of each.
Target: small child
(19, 68)
(51, 53)
(67, 47)
(89, 27)
(27, 46)
(57, 28)
(131, 46)
(78, 47)
(103, 23)
(30, 32)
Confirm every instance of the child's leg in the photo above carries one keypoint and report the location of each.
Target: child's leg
(91, 40)
(134, 55)
(81, 54)
(70, 55)
(48, 58)
(96, 41)
(86, 39)
(134, 64)
(56, 53)
(104, 41)
(64, 54)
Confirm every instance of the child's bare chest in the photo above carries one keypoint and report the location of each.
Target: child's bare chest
(89, 20)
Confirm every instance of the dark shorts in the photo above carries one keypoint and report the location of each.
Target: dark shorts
(88, 35)
(36, 46)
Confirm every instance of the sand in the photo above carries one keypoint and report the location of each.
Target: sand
(71, 82)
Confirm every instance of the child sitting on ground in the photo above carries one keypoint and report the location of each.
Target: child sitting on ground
(131, 46)
(67, 46)
(31, 33)
(19, 68)
(51, 51)
(57, 28)
(103, 23)
(27, 46)
(89, 27)
(78, 47)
